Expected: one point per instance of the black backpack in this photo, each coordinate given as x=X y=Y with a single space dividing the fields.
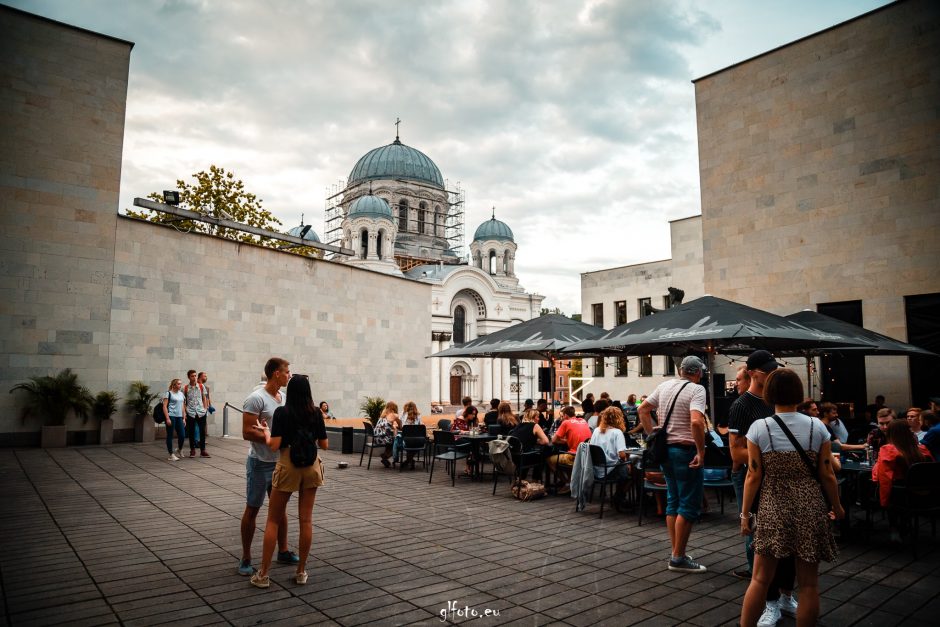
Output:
x=158 y=416
x=303 y=450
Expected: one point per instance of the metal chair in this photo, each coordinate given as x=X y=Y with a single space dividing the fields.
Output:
x=918 y=495
x=648 y=487
x=447 y=450
x=599 y=460
x=444 y=424
x=521 y=460
x=718 y=459
x=414 y=440
x=368 y=442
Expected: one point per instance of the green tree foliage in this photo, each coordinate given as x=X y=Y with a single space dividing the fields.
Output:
x=371 y=407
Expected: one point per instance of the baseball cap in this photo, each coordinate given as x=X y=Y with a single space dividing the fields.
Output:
x=692 y=365
x=762 y=360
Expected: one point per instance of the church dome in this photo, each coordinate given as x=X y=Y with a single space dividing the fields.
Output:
x=493 y=229
x=396 y=161
x=309 y=236
x=370 y=205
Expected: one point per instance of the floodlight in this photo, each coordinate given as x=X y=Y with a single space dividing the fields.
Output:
x=171 y=197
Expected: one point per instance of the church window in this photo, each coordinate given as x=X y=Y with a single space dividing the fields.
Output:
x=363 y=244
x=403 y=215
x=421 y=221
x=378 y=244
x=460 y=321
x=492 y=262
x=505 y=263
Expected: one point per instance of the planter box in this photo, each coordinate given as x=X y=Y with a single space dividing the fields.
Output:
x=106 y=432
x=144 y=428
x=54 y=437
x=159 y=433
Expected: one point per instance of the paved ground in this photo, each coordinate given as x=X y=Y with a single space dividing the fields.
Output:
x=119 y=535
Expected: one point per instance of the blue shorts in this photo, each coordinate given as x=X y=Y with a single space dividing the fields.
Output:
x=258 y=473
x=684 y=486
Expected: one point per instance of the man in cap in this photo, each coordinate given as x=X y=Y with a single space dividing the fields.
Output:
x=747 y=408
x=685 y=439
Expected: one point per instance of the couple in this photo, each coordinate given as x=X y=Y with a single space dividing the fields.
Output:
x=274 y=425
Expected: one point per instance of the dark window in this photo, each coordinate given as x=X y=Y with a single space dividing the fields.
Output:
x=646 y=366
x=643 y=304
x=403 y=215
x=597 y=315
x=492 y=262
x=364 y=244
x=378 y=244
x=421 y=216
x=598 y=366
x=923 y=329
x=623 y=364
x=843 y=376
x=460 y=322
x=669 y=367
x=620 y=309
x=513 y=367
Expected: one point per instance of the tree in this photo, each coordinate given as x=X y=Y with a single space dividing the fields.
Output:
x=219 y=194
x=545 y=311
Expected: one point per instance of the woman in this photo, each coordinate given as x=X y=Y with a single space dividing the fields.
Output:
x=325 y=410
x=469 y=418
x=894 y=458
x=532 y=439
x=609 y=436
x=587 y=407
x=506 y=419
x=173 y=404
x=298 y=418
x=793 y=517
x=386 y=431
x=409 y=416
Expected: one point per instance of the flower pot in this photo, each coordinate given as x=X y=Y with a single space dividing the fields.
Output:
x=143 y=429
x=54 y=436
x=106 y=432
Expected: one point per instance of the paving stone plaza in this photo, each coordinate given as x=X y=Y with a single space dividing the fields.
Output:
x=119 y=535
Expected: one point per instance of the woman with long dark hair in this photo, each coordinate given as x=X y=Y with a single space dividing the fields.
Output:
x=894 y=459
x=298 y=424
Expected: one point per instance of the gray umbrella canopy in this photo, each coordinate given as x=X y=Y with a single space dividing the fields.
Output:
x=538 y=338
x=874 y=343
x=709 y=324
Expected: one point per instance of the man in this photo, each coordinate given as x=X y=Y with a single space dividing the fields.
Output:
x=808 y=408
x=829 y=414
x=203 y=378
x=878 y=436
x=196 y=409
x=747 y=408
x=466 y=401
x=685 y=439
x=913 y=419
x=742 y=380
x=931 y=422
x=258 y=413
x=545 y=419
x=572 y=432
x=492 y=415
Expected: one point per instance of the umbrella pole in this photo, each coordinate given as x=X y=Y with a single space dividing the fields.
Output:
x=809 y=378
x=711 y=387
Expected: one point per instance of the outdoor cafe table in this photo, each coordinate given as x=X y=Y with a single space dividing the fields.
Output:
x=852 y=472
x=476 y=440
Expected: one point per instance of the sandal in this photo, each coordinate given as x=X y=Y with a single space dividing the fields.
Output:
x=300 y=578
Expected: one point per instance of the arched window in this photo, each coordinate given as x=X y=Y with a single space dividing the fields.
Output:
x=492 y=264
x=460 y=323
x=364 y=244
x=378 y=244
x=505 y=263
x=421 y=222
x=438 y=221
x=402 y=215
x=478 y=260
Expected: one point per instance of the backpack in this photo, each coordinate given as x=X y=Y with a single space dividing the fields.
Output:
x=158 y=416
x=303 y=450
x=501 y=456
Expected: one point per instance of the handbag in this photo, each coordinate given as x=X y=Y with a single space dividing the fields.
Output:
x=528 y=490
x=656 y=448
x=813 y=471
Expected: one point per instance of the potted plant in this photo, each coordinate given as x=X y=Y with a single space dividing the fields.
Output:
x=140 y=401
x=372 y=407
x=51 y=398
x=103 y=407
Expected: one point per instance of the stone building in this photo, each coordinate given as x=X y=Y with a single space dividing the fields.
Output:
x=820 y=182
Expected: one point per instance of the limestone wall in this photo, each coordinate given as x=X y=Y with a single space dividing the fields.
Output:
x=820 y=174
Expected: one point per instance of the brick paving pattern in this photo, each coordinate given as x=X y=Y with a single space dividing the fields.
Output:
x=119 y=535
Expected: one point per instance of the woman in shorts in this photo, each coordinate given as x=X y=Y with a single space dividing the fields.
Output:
x=298 y=417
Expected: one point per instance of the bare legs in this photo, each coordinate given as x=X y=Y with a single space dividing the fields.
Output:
x=249 y=522
x=679 y=531
x=305 y=513
x=807 y=580
x=756 y=596
x=277 y=520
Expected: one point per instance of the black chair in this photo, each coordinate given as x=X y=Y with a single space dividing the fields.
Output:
x=494 y=429
x=444 y=424
x=414 y=440
x=368 y=442
x=521 y=460
x=918 y=495
x=447 y=450
x=648 y=487
x=718 y=459
x=599 y=460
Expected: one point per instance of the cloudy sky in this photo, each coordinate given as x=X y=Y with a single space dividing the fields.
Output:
x=575 y=119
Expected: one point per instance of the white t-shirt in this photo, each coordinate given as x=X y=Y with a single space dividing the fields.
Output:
x=612 y=441
x=175 y=404
x=765 y=432
x=692 y=397
x=263 y=405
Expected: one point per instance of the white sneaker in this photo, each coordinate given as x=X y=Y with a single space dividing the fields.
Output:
x=173 y=458
x=178 y=453
x=787 y=604
x=771 y=615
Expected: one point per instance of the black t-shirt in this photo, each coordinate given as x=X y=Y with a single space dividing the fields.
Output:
x=744 y=411
x=284 y=425
x=489 y=418
x=524 y=432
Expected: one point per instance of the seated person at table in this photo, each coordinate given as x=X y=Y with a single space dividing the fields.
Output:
x=490 y=417
x=545 y=416
x=410 y=416
x=931 y=424
x=917 y=424
x=572 y=432
x=609 y=436
x=532 y=438
x=829 y=414
x=900 y=452
x=467 y=420
x=506 y=419
x=599 y=406
x=878 y=436
x=385 y=430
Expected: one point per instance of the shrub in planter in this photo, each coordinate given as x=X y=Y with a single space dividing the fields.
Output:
x=372 y=407
x=140 y=401
x=51 y=398
x=103 y=407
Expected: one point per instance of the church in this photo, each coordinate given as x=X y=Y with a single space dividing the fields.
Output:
x=399 y=217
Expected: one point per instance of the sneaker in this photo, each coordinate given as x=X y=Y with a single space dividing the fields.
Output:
x=204 y=454
x=744 y=573
x=172 y=458
x=287 y=557
x=386 y=463
x=192 y=452
x=771 y=615
x=178 y=452
x=787 y=605
x=300 y=578
x=260 y=582
x=685 y=565
x=245 y=568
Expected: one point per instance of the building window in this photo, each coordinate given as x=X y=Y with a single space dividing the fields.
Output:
x=623 y=364
x=643 y=304
x=513 y=367
x=378 y=244
x=669 y=368
x=460 y=323
x=561 y=381
x=646 y=366
x=492 y=262
x=402 y=215
x=597 y=315
x=598 y=366
x=438 y=221
x=364 y=244
x=620 y=311
x=421 y=222
x=505 y=262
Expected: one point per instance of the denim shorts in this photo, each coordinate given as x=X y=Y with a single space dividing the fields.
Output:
x=259 y=474
x=684 y=486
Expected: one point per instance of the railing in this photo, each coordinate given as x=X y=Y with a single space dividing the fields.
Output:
x=225 y=433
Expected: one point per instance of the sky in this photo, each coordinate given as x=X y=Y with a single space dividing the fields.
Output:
x=574 y=119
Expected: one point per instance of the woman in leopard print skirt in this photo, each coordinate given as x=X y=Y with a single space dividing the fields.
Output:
x=793 y=516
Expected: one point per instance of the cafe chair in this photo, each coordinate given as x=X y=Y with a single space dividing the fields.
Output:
x=444 y=424
x=368 y=442
x=414 y=440
x=717 y=472
x=599 y=460
x=520 y=460
x=649 y=487
x=447 y=450
x=918 y=495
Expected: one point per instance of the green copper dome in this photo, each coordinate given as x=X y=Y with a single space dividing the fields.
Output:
x=310 y=236
x=396 y=161
x=370 y=206
x=493 y=229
